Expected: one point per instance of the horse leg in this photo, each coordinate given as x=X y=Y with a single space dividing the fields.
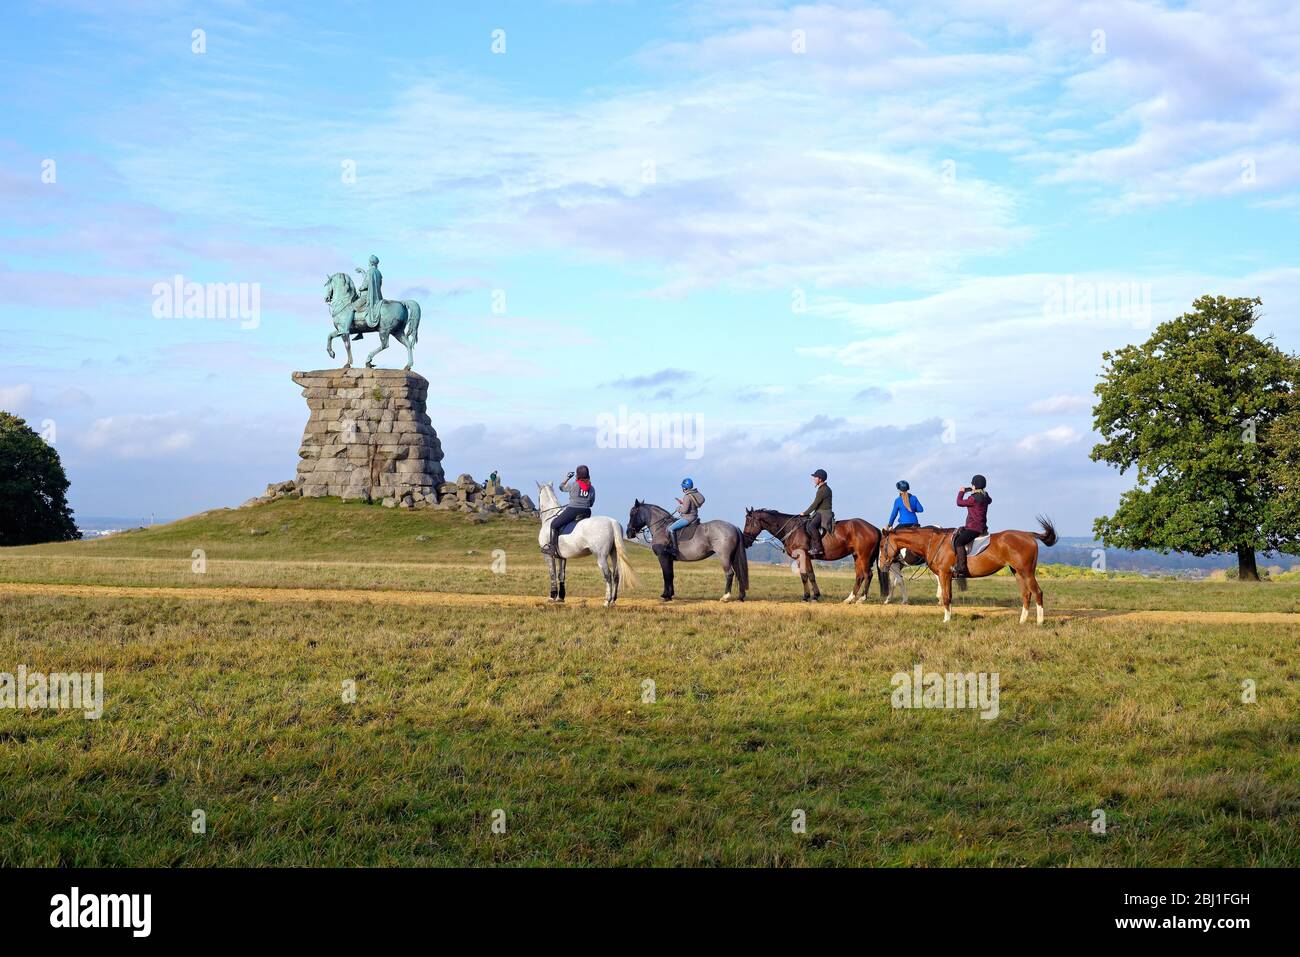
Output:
x=730 y=573
x=864 y=569
x=902 y=581
x=945 y=592
x=602 y=562
x=551 y=561
x=1038 y=595
x=329 y=343
x=563 y=567
x=665 y=569
x=347 y=343
x=1023 y=582
x=410 y=353
x=383 y=344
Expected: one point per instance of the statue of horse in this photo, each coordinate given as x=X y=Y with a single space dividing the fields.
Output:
x=694 y=543
x=598 y=535
x=397 y=318
x=1015 y=548
x=852 y=536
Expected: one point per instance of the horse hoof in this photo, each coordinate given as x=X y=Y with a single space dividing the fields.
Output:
x=665 y=599
x=407 y=367
x=726 y=597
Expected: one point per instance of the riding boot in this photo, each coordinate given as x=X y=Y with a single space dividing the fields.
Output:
x=815 y=549
x=959 y=567
x=672 y=543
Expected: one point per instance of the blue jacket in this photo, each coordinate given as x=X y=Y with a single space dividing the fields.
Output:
x=903 y=516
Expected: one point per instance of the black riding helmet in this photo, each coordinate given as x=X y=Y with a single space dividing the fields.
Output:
x=902 y=486
x=978 y=481
x=821 y=474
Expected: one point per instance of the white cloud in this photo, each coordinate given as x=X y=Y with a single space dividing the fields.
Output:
x=14 y=398
x=1056 y=436
x=156 y=435
x=1059 y=404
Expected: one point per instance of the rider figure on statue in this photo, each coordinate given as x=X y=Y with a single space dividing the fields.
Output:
x=372 y=286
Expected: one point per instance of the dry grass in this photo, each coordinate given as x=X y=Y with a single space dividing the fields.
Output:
x=490 y=699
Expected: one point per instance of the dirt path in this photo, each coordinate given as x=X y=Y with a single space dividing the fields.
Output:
x=451 y=599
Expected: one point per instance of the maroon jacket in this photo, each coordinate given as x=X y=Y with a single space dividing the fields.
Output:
x=977 y=510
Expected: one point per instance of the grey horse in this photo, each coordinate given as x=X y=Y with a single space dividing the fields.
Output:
x=598 y=535
x=397 y=318
x=695 y=543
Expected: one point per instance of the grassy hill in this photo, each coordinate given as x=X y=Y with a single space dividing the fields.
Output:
x=223 y=693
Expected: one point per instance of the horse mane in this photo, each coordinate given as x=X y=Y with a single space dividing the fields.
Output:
x=352 y=290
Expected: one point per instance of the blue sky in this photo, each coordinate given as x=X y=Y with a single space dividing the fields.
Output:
x=828 y=233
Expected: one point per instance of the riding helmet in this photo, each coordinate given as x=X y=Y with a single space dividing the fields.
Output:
x=978 y=481
x=687 y=484
x=902 y=486
x=583 y=474
x=821 y=474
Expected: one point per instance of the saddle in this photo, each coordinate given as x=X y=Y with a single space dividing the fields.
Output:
x=976 y=545
x=687 y=533
x=570 y=525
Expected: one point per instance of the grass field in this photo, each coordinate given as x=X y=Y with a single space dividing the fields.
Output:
x=223 y=692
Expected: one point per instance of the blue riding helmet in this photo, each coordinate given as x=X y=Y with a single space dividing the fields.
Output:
x=687 y=484
x=902 y=486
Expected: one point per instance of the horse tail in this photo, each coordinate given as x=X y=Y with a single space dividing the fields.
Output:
x=625 y=570
x=740 y=563
x=874 y=561
x=1048 y=535
x=412 y=320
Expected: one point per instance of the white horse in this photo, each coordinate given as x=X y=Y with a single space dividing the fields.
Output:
x=599 y=535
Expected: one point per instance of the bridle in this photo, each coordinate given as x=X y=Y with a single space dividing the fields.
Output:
x=645 y=534
x=784 y=530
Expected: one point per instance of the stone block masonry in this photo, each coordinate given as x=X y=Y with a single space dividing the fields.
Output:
x=369 y=437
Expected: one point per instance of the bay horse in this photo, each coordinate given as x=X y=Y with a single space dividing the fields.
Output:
x=694 y=543
x=1015 y=549
x=852 y=536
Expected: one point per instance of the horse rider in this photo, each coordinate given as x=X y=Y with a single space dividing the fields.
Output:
x=977 y=520
x=372 y=286
x=688 y=512
x=906 y=507
x=582 y=496
x=819 y=515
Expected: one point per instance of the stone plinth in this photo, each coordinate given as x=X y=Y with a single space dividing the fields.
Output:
x=369 y=437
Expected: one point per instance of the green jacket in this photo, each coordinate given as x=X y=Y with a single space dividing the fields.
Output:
x=821 y=501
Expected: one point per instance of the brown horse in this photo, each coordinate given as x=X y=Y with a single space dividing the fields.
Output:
x=850 y=536
x=1019 y=550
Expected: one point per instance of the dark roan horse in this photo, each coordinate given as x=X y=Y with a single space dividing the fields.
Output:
x=695 y=543
x=851 y=536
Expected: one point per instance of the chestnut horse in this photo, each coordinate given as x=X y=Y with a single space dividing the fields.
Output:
x=850 y=536
x=1019 y=550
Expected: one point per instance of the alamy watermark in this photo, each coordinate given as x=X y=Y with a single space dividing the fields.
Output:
x=1086 y=300
x=922 y=689
x=654 y=430
x=182 y=299
x=55 y=691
